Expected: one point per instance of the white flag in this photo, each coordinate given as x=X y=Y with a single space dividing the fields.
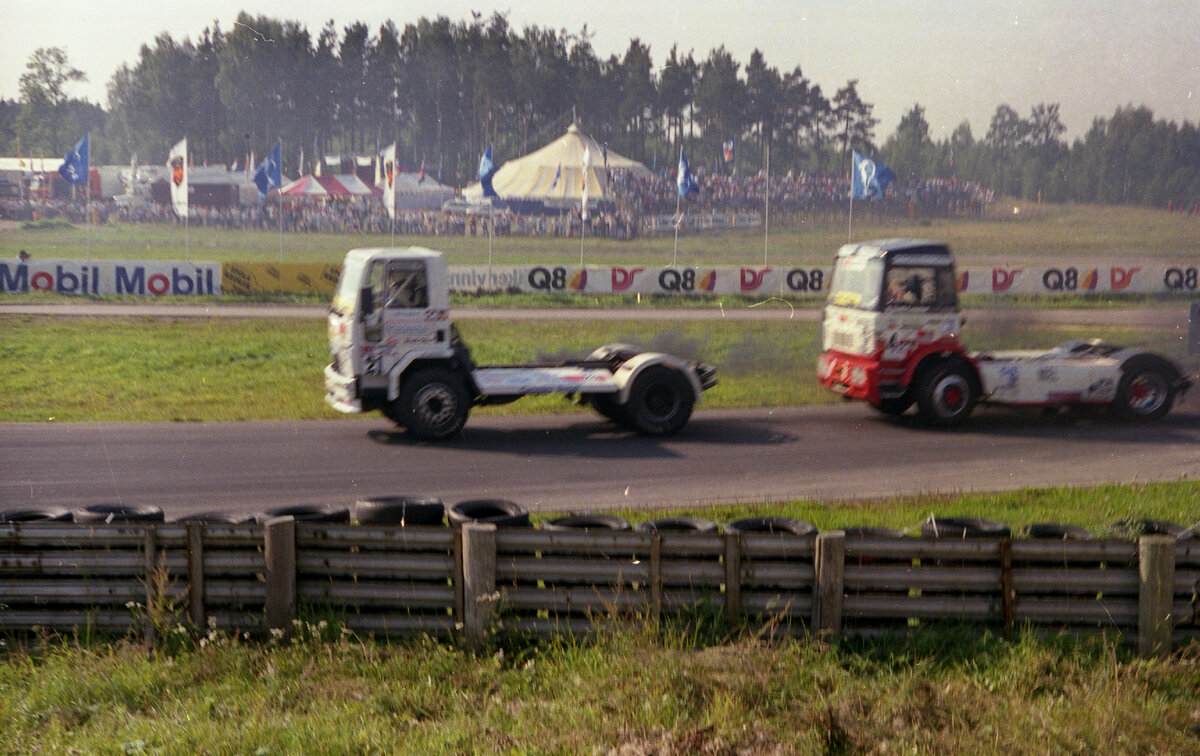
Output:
x=389 y=179
x=587 y=164
x=177 y=161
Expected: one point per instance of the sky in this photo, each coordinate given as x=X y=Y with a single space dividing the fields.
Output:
x=958 y=59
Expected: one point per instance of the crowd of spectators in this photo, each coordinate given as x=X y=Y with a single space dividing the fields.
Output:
x=645 y=204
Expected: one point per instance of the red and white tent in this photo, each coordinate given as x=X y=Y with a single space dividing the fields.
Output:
x=344 y=185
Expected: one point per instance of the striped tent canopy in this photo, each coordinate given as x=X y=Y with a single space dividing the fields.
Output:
x=342 y=185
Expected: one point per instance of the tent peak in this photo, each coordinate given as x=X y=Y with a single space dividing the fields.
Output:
x=573 y=128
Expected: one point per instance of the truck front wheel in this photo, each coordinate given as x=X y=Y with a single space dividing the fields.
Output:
x=660 y=402
x=946 y=394
x=433 y=404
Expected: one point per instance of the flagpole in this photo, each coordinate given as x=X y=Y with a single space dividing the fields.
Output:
x=677 y=224
x=767 y=210
x=87 y=196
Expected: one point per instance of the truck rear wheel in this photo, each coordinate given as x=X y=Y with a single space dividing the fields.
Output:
x=433 y=404
x=1145 y=391
x=946 y=394
x=660 y=402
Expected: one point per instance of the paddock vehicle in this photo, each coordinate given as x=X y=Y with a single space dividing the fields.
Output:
x=394 y=349
x=891 y=337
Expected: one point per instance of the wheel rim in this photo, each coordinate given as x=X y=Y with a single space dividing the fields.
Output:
x=435 y=405
x=662 y=401
x=952 y=393
x=1146 y=393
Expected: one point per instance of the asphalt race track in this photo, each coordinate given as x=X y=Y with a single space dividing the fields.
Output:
x=580 y=462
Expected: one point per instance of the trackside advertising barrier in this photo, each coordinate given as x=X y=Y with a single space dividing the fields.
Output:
x=153 y=278
x=159 y=278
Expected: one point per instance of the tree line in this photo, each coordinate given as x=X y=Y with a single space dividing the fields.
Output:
x=445 y=90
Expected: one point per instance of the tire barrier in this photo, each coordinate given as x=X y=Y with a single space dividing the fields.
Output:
x=680 y=525
x=119 y=513
x=228 y=518
x=588 y=522
x=963 y=527
x=396 y=579
x=499 y=512
x=771 y=525
x=399 y=510
x=36 y=514
x=307 y=513
x=1057 y=531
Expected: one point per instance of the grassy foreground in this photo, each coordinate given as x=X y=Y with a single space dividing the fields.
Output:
x=162 y=369
x=686 y=688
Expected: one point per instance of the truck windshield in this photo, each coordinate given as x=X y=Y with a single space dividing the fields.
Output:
x=856 y=283
x=349 y=281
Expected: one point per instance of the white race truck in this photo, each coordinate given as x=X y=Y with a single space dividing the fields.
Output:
x=394 y=349
x=891 y=337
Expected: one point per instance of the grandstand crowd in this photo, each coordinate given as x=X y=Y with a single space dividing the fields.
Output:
x=646 y=204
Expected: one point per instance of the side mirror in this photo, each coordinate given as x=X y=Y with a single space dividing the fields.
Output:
x=366 y=301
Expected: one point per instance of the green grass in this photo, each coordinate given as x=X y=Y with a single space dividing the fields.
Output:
x=183 y=369
x=1072 y=231
x=653 y=690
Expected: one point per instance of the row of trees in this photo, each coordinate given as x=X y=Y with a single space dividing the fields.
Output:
x=445 y=90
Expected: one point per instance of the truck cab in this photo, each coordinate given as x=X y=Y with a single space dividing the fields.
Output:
x=891 y=333
x=393 y=348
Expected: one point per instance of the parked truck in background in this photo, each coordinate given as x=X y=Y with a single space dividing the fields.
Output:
x=394 y=349
x=891 y=333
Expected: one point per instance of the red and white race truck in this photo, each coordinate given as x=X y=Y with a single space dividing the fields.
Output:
x=892 y=337
x=394 y=349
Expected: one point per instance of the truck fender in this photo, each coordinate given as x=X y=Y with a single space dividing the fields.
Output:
x=629 y=370
x=404 y=365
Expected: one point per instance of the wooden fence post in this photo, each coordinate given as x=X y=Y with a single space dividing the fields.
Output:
x=830 y=562
x=279 y=547
x=479 y=580
x=733 y=576
x=1156 y=588
x=195 y=572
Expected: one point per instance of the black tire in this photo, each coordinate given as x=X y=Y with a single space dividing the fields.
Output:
x=588 y=522
x=963 y=527
x=771 y=525
x=433 y=404
x=36 y=514
x=946 y=393
x=119 y=513
x=1146 y=391
x=307 y=513
x=227 y=518
x=894 y=406
x=1058 y=532
x=679 y=525
x=607 y=405
x=500 y=512
x=1135 y=528
x=660 y=402
x=399 y=510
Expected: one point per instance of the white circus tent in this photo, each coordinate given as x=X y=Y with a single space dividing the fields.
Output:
x=554 y=173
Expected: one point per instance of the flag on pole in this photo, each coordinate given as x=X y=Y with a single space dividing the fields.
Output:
x=75 y=163
x=177 y=161
x=587 y=164
x=487 y=169
x=727 y=148
x=869 y=178
x=685 y=179
x=389 y=180
x=268 y=175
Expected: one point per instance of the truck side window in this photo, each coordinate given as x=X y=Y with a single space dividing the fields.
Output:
x=407 y=286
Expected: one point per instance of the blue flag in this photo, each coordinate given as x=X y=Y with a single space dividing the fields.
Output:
x=687 y=182
x=75 y=163
x=268 y=175
x=487 y=169
x=869 y=178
